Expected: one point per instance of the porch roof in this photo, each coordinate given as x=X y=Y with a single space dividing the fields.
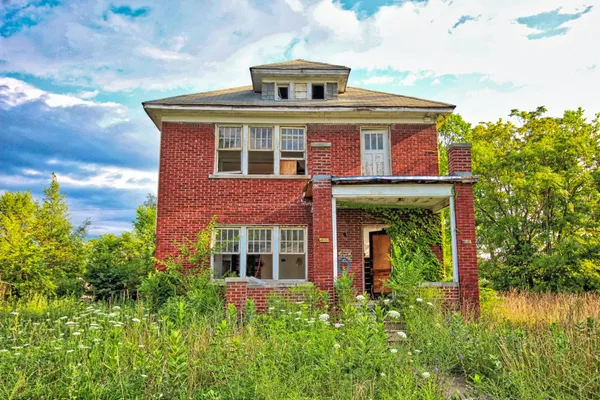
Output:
x=358 y=180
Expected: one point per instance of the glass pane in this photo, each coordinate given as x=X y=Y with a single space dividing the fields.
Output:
x=367 y=141
x=380 y=141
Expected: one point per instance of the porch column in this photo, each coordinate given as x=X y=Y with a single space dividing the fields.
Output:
x=459 y=163
x=322 y=223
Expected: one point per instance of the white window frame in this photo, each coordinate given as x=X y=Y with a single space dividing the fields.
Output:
x=217 y=237
x=387 y=142
x=275 y=248
x=277 y=138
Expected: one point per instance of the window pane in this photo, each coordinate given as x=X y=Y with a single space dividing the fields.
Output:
x=292 y=241
x=259 y=240
x=227 y=241
x=380 y=141
x=230 y=137
x=261 y=138
x=367 y=141
x=229 y=161
x=292 y=139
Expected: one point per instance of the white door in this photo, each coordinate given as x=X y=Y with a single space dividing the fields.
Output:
x=375 y=154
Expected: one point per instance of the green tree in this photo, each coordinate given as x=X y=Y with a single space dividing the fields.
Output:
x=116 y=265
x=537 y=201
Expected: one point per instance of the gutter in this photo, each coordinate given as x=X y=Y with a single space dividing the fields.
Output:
x=355 y=180
x=298 y=109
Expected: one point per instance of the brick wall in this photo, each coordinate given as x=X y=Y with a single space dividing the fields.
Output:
x=459 y=159
x=238 y=291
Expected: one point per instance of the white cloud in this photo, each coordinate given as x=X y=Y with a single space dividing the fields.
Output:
x=378 y=80
x=163 y=55
x=295 y=5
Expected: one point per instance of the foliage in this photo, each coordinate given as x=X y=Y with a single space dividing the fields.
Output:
x=116 y=265
x=411 y=230
x=62 y=348
x=537 y=201
x=407 y=274
x=40 y=251
x=183 y=273
x=344 y=292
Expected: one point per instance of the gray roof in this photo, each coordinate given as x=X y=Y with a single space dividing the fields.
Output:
x=299 y=65
x=245 y=96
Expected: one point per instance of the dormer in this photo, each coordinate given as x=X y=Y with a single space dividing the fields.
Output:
x=299 y=80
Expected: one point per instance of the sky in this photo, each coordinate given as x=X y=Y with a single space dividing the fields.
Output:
x=73 y=74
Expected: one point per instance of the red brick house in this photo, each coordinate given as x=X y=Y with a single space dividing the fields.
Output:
x=274 y=159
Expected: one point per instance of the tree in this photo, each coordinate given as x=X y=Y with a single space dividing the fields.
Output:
x=537 y=201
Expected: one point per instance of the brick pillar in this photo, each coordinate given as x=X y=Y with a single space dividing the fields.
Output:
x=322 y=227
x=459 y=163
x=236 y=292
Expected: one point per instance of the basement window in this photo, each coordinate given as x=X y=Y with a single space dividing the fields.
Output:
x=227 y=252
x=259 y=261
x=229 y=149
x=293 y=153
x=318 y=92
x=283 y=92
x=260 y=151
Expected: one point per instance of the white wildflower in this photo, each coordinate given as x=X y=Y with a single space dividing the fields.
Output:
x=70 y=323
x=96 y=340
x=3 y=351
x=336 y=346
x=76 y=333
x=393 y=314
x=271 y=308
x=387 y=301
x=36 y=324
x=426 y=375
x=418 y=351
x=409 y=354
x=83 y=347
x=382 y=374
x=338 y=325
x=112 y=315
x=360 y=297
x=393 y=351
x=116 y=308
x=430 y=304
x=324 y=317
x=402 y=334
x=419 y=300
x=58 y=348
x=137 y=320
x=70 y=351
x=144 y=376
x=17 y=354
x=14 y=313
x=298 y=312
x=63 y=317
x=297 y=319
x=141 y=346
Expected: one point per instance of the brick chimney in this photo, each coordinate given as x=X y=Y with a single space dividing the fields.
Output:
x=459 y=159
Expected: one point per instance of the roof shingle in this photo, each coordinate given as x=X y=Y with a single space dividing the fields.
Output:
x=300 y=64
x=245 y=96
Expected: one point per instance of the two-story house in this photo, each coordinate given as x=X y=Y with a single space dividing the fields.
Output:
x=273 y=160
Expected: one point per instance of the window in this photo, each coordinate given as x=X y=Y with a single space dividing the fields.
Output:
x=260 y=151
x=229 y=149
x=259 y=262
x=292 y=146
x=282 y=92
x=300 y=91
x=227 y=249
x=261 y=252
x=292 y=250
x=318 y=92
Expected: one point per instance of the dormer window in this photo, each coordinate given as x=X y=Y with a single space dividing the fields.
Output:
x=300 y=91
x=283 y=92
x=318 y=92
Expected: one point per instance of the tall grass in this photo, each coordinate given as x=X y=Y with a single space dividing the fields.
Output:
x=71 y=349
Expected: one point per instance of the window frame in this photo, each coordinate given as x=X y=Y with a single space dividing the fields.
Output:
x=275 y=249
x=277 y=136
x=228 y=228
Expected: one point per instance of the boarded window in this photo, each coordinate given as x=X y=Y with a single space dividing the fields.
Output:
x=300 y=91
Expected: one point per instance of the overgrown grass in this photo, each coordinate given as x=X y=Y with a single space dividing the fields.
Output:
x=71 y=349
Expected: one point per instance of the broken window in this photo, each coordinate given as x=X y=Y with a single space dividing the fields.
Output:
x=300 y=91
x=318 y=92
x=229 y=149
x=282 y=92
x=292 y=253
x=227 y=252
x=292 y=146
x=259 y=262
x=260 y=152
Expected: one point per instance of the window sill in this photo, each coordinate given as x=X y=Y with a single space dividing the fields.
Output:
x=239 y=176
x=270 y=283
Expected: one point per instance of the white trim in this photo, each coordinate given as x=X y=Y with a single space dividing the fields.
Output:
x=298 y=109
x=225 y=175
x=243 y=252
x=277 y=154
x=334 y=236
x=275 y=249
x=391 y=190
x=245 y=141
x=454 y=240
x=293 y=119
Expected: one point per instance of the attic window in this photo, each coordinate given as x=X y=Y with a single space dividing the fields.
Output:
x=318 y=92
x=282 y=92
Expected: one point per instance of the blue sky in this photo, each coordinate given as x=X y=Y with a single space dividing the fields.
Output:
x=73 y=73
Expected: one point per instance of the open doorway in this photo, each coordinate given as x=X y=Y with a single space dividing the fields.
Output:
x=378 y=267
